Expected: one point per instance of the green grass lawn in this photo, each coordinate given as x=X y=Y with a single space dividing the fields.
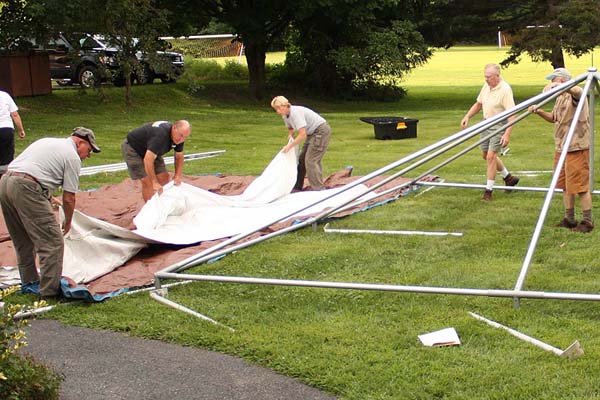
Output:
x=358 y=344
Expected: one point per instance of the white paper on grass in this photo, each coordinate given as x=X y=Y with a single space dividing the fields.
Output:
x=186 y=214
x=444 y=337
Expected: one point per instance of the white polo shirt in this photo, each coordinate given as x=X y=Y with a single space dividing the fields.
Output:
x=495 y=100
x=7 y=106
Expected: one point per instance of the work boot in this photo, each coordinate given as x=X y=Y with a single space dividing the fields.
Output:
x=487 y=195
x=510 y=180
x=565 y=223
x=584 y=227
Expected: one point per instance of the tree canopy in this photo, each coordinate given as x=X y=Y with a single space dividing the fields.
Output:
x=544 y=29
x=334 y=46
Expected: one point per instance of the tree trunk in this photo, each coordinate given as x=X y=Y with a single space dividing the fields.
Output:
x=558 y=59
x=128 y=97
x=255 y=57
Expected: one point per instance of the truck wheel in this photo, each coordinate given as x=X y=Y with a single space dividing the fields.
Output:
x=145 y=77
x=88 y=76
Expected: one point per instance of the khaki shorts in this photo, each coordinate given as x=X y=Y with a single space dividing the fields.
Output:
x=493 y=144
x=575 y=175
x=135 y=163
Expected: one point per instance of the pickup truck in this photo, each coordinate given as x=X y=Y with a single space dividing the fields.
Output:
x=87 y=60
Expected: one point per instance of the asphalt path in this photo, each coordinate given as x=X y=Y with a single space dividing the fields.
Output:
x=106 y=365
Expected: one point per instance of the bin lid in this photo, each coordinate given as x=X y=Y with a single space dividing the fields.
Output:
x=386 y=120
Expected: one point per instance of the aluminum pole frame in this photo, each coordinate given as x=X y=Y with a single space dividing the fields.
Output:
x=386 y=287
x=544 y=211
x=525 y=294
x=210 y=253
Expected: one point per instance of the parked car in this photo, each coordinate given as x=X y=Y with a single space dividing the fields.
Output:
x=88 y=60
x=167 y=66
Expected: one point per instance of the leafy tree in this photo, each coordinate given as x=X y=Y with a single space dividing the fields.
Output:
x=257 y=23
x=20 y=21
x=543 y=29
x=352 y=45
x=132 y=26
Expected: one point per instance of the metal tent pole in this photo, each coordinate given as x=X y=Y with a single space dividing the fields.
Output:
x=95 y=169
x=386 y=287
x=592 y=107
x=543 y=212
x=480 y=186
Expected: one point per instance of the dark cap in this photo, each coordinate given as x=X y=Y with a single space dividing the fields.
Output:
x=87 y=135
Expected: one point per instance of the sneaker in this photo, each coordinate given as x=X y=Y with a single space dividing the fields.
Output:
x=510 y=180
x=487 y=195
x=565 y=223
x=584 y=227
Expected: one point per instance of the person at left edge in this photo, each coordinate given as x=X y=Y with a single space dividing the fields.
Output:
x=25 y=197
x=9 y=118
x=143 y=150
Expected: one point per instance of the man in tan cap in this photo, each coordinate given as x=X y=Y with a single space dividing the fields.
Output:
x=575 y=175
x=25 y=196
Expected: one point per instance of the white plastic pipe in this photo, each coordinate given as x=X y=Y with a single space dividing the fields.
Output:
x=179 y=307
x=574 y=350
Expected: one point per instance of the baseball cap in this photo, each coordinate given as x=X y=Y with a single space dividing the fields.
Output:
x=559 y=73
x=88 y=135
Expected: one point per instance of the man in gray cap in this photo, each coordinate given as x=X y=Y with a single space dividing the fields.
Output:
x=575 y=175
x=25 y=196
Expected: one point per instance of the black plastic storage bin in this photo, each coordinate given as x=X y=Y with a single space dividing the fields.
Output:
x=393 y=127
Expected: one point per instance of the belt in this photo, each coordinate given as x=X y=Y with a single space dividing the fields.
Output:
x=23 y=175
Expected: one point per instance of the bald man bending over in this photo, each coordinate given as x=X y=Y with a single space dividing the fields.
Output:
x=143 y=150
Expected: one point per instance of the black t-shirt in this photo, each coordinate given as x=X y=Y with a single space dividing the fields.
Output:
x=155 y=137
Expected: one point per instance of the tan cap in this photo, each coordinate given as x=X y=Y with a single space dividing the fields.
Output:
x=88 y=135
x=559 y=73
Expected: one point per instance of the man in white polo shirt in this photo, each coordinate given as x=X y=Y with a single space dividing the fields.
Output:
x=9 y=117
x=495 y=97
x=25 y=196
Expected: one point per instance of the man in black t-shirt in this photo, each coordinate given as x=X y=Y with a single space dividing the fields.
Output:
x=143 y=150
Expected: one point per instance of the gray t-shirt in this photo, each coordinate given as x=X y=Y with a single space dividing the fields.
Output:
x=302 y=117
x=53 y=162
